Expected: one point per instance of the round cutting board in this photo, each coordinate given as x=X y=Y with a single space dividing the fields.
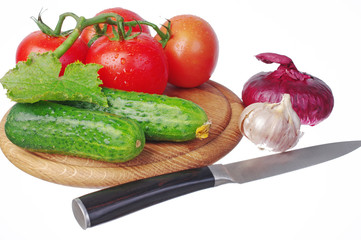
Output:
x=223 y=108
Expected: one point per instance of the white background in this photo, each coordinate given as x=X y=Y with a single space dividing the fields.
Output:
x=320 y=202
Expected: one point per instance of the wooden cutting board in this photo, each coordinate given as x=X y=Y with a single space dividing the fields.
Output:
x=223 y=108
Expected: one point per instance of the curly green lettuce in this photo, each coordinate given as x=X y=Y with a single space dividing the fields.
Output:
x=38 y=79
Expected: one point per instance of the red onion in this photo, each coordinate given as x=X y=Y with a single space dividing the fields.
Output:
x=311 y=98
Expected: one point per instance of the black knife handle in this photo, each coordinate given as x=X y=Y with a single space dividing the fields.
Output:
x=114 y=202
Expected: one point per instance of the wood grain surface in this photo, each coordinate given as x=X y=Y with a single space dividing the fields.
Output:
x=223 y=108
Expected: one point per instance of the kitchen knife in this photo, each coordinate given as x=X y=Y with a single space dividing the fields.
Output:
x=111 y=203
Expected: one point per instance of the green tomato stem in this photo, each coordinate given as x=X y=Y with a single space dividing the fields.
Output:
x=164 y=36
x=43 y=27
x=60 y=51
x=62 y=17
x=81 y=24
x=102 y=18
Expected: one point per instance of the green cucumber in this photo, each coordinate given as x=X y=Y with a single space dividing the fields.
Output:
x=162 y=118
x=54 y=128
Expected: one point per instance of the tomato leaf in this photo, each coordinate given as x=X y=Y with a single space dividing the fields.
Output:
x=38 y=79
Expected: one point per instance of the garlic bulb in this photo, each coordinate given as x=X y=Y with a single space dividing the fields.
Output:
x=272 y=126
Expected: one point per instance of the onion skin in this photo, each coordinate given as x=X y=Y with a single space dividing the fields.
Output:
x=311 y=98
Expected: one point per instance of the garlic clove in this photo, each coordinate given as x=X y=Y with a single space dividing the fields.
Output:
x=271 y=126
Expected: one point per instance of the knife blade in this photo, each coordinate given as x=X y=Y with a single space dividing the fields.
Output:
x=114 y=202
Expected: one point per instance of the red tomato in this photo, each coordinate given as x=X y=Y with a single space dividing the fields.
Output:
x=39 y=42
x=138 y=64
x=192 y=51
x=128 y=15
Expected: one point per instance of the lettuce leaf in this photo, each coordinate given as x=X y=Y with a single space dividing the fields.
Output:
x=38 y=79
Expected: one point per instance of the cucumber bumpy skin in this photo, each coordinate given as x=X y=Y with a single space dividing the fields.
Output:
x=54 y=128
x=162 y=118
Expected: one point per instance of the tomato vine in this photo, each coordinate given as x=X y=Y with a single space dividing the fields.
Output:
x=105 y=18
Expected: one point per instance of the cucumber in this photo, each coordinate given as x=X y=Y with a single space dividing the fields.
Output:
x=54 y=128
x=162 y=118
